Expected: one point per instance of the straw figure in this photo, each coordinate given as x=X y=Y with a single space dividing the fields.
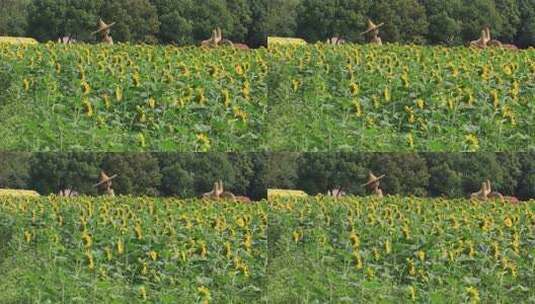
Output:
x=215 y=193
x=336 y=41
x=373 y=184
x=483 y=193
x=104 y=32
x=486 y=41
x=105 y=183
x=373 y=30
x=217 y=40
x=498 y=44
x=218 y=193
x=486 y=193
x=483 y=40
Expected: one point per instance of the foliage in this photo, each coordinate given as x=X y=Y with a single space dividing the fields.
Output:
x=53 y=172
x=302 y=250
x=405 y=20
x=452 y=22
x=131 y=250
x=137 y=20
x=52 y=19
x=14 y=168
x=133 y=98
x=400 y=98
x=139 y=173
x=13 y=17
x=191 y=174
x=399 y=250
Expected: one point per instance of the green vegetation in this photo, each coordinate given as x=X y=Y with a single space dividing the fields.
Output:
x=451 y=22
x=401 y=98
x=131 y=250
x=400 y=250
x=131 y=98
x=294 y=98
x=187 y=175
x=299 y=250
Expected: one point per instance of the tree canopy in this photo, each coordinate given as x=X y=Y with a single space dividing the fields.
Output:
x=450 y=22
x=251 y=174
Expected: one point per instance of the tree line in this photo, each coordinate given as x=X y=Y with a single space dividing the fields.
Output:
x=191 y=174
x=182 y=22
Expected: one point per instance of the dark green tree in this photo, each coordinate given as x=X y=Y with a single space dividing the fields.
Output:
x=277 y=170
x=80 y=18
x=52 y=19
x=474 y=15
x=52 y=172
x=244 y=167
x=191 y=174
x=321 y=172
x=509 y=12
x=406 y=174
x=46 y=19
x=13 y=17
x=241 y=19
x=175 y=25
x=14 y=169
x=458 y=175
x=137 y=20
x=138 y=173
x=444 y=30
x=405 y=20
x=526 y=180
x=320 y=19
x=272 y=18
x=526 y=32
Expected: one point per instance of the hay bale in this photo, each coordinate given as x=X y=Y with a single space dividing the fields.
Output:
x=273 y=41
x=18 y=193
x=17 y=40
x=282 y=193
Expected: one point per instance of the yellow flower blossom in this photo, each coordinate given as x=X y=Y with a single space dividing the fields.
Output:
x=473 y=295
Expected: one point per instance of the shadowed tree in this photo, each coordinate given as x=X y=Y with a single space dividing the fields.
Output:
x=321 y=172
x=51 y=19
x=137 y=20
x=526 y=32
x=405 y=20
x=52 y=172
x=320 y=20
x=406 y=174
x=14 y=169
x=138 y=173
x=13 y=17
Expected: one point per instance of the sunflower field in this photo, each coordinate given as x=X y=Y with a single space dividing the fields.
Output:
x=131 y=250
x=285 y=98
x=287 y=250
x=401 y=98
x=401 y=250
x=131 y=98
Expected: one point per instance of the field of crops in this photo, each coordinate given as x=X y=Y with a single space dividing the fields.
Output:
x=287 y=98
x=129 y=250
x=131 y=98
x=294 y=250
x=401 y=250
x=401 y=98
